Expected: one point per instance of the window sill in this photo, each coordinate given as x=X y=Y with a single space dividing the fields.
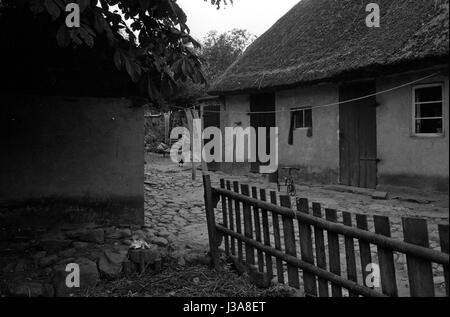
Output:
x=428 y=136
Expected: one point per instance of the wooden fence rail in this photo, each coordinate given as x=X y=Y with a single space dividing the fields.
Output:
x=309 y=244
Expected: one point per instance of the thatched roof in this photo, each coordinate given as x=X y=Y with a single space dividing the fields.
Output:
x=324 y=39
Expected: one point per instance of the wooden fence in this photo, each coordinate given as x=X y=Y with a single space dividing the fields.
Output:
x=252 y=224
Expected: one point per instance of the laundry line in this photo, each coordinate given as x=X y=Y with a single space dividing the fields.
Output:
x=324 y=105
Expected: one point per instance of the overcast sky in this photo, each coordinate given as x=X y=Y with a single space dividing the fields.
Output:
x=257 y=16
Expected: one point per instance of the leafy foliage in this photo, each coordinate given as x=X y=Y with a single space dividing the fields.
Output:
x=221 y=50
x=217 y=53
x=149 y=38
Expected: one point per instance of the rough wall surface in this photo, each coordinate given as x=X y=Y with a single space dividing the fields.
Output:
x=408 y=160
x=233 y=115
x=317 y=156
x=74 y=149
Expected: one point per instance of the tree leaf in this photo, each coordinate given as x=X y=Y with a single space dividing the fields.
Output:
x=118 y=59
x=132 y=68
x=52 y=9
x=63 y=36
x=74 y=36
x=83 y=4
x=86 y=37
x=37 y=6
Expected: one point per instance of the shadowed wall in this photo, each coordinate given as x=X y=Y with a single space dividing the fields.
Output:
x=74 y=149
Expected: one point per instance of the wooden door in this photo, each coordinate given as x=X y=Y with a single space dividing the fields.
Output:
x=211 y=118
x=358 y=135
x=262 y=103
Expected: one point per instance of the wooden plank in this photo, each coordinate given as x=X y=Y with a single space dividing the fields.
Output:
x=231 y=220
x=364 y=248
x=225 y=217
x=190 y=121
x=289 y=243
x=306 y=249
x=350 y=253
x=420 y=271
x=197 y=135
x=349 y=140
x=266 y=234
x=443 y=237
x=237 y=209
x=373 y=238
x=367 y=135
x=321 y=258
x=211 y=221
x=277 y=237
x=248 y=226
x=344 y=145
x=357 y=135
x=210 y=115
x=257 y=219
x=333 y=278
x=354 y=136
x=333 y=252
x=386 y=258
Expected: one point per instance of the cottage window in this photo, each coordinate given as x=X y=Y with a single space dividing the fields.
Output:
x=302 y=118
x=428 y=110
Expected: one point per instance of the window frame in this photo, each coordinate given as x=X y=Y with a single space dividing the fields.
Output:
x=303 y=109
x=414 y=133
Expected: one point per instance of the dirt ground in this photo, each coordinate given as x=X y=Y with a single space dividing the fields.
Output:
x=189 y=282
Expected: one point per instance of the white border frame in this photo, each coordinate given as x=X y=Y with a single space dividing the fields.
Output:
x=413 y=113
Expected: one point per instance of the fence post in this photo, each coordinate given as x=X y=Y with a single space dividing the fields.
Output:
x=333 y=251
x=289 y=243
x=319 y=240
x=443 y=237
x=225 y=217
x=211 y=222
x=420 y=272
x=231 y=222
x=257 y=228
x=386 y=258
x=364 y=247
x=277 y=237
x=306 y=249
x=238 y=222
x=350 y=252
x=248 y=226
x=266 y=233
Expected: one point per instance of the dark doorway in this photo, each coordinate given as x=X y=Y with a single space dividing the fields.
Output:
x=259 y=104
x=211 y=118
x=358 y=135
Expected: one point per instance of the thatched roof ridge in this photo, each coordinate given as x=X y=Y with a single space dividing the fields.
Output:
x=322 y=39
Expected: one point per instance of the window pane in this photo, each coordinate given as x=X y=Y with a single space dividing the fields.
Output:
x=426 y=126
x=429 y=94
x=298 y=119
x=429 y=110
x=308 y=118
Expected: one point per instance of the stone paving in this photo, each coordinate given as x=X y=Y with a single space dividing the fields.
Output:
x=174 y=206
x=175 y=210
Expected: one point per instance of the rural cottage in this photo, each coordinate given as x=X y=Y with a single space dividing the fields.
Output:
x=354 y=105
